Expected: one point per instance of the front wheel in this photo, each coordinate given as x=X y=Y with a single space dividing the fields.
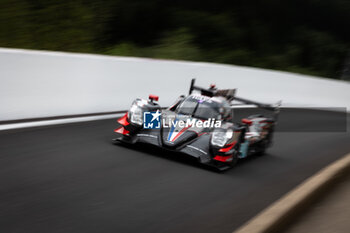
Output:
x=234 y=159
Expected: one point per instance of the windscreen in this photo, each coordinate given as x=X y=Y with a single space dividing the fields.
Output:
x=200 y=107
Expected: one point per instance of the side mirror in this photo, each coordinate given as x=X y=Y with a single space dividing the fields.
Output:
x=153 y=97
x=246 y=121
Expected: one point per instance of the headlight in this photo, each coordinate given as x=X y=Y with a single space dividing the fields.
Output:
x=219 y=138
x=135 y=113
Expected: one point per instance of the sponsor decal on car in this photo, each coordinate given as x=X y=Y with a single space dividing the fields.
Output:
x=153 y=120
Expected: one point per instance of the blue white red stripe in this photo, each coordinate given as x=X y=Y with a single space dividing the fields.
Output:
x=174 y=134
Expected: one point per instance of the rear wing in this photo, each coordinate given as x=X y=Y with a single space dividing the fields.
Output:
x=208 y=92
x=213 y=91
x=230 y=95
x=271 y=107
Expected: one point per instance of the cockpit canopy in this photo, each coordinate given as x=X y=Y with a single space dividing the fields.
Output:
x=203 y=107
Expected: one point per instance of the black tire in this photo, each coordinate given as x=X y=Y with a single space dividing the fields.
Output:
x=263 y=147
x=237 y=148
x=234 y=159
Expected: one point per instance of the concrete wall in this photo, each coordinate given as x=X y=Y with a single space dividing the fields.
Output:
x=40 y=84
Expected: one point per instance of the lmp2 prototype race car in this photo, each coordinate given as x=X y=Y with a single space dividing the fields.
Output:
x=200 y=125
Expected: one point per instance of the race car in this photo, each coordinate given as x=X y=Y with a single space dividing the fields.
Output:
x=200 y=125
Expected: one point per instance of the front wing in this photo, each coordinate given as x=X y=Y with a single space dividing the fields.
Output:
x=198 y=148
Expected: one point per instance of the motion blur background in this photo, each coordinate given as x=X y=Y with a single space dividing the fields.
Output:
x=70 y=178
x=303 y=36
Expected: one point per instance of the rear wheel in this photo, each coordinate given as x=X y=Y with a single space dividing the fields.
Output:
x=265 y=143
x=263 y=147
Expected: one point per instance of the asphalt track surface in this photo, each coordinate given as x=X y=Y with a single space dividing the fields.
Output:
x=70 y=178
